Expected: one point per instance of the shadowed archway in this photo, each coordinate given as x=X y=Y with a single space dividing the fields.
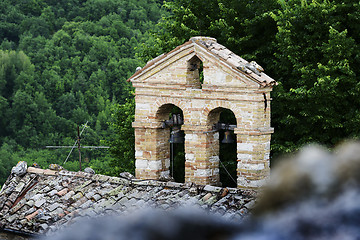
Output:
x=225 y=152
x=172 y=118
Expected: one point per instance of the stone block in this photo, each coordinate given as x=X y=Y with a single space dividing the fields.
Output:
x=245 y=146
x=203 y=173
x=191 y=137
x=138 y=153
x=190 y=157
x=155 y=165
x=141 y=164
x=167 y=163
x=214 y=159
x=244 y=157
x=257 y=166
x=246 y=184
x=143 y=106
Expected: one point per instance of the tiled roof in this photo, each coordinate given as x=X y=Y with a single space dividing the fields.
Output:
x=250 y=69
x=42 y=201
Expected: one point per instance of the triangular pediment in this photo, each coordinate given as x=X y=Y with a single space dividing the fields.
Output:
x=221 y=67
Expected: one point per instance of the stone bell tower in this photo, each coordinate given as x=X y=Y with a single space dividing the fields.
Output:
x=202 y=78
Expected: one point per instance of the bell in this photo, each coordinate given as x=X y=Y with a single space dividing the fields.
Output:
x=176 y=136
x=227 y=138
x=177 y=119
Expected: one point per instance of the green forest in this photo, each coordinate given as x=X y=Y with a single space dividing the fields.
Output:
x=65 y=63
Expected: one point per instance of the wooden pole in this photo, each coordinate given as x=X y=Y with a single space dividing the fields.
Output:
x=79 y=147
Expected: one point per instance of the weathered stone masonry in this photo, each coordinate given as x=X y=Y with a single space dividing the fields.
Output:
x=229 y=82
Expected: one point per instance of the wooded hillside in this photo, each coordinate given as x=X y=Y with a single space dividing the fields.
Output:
x=65 y=62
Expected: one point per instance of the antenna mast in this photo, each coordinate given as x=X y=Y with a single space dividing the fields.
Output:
x=79 y=145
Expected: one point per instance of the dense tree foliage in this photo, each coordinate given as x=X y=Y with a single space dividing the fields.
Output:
x=246 y=28
x=316 y=58
x=310 y=47
x=63 y=63
x=123 y=143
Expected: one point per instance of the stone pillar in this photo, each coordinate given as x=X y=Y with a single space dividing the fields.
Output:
x=201 y=156
x=253 y=154
x=152 y=152
x=213 y=148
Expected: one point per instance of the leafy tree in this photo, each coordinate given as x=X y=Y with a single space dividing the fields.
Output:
x=6 y=161
x=15 y=68
x=317 y=54
x=10 y=24
x=122 y=147
x=12 y=65
x=245 y=27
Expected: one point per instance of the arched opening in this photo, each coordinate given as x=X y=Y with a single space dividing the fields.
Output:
x=228 y=150
x=173 y=141
x=224 y=121
x=195 y=72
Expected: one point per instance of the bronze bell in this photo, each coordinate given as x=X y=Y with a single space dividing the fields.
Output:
x=227 y=138
x=176 y=136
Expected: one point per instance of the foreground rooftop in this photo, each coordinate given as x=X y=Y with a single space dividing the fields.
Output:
x=42 y=201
